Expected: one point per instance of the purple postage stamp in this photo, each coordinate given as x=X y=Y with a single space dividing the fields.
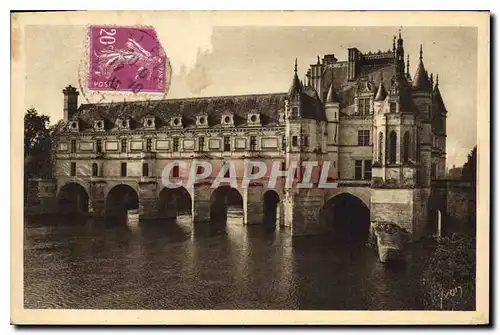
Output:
x=127 y=59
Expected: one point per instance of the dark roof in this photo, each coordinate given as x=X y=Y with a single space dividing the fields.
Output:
x=381 y=92
x=438 y=99
x=269 y=105
x=332 y=95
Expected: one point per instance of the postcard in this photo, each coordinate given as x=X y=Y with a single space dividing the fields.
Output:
x=250 y=168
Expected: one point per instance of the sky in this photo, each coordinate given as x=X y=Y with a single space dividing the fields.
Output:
x=212 y=60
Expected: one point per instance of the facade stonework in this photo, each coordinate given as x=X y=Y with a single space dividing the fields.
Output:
x=382 y=130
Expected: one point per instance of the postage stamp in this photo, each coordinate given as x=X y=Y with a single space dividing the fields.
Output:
x=126 y=59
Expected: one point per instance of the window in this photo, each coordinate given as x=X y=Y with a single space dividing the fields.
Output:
x=306 y=140
x=145 y=169
x=201 y=144
x=418 y=147
x=176 y=144
x=334 y=164
x=73 y=169
x=227 y=143
x=73 y=145
x=124 y=145
x=294 y=141
x=363 y=137
x=95 y=170
x=149 y=144
x=406 y=147
x=358 y=169
x=283 y=143
x=175 y=171
x=124 y=169
x=392 y=147
x=367 y=175
x=433 y=171
x=253 y=143
x=283 y=166
x=200 y=169
x=392 y=107
x=98 y=145
x=380 y=147
x=364 y=106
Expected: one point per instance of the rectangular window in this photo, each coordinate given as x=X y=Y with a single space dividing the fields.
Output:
x=73 y=169
x=363 y=137
x=294 y=141
x=145 y=169
x=283 y=166
x=227 y=143
x=124 y=145
x=306 y=140
x=149 y=144
x=98 y=145
x=95 y=170
x=368 y=170
x=175 y=171
x=283 y=143
x=201 y=144
x=73 y=145
x=392 y=107
x=123 y=169
x=253 y=143
x=175 y=145
x=364 y=106
x=358 y=169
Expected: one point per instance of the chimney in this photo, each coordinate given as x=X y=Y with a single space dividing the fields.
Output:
x=70 y=102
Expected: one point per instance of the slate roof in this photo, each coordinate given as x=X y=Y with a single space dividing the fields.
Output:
x=268 y=105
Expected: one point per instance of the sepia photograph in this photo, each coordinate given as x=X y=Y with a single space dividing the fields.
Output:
x=285 y=162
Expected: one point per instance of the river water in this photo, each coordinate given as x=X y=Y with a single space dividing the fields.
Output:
x=92 y=264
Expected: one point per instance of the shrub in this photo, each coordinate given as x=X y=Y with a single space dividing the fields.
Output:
x=449 y=278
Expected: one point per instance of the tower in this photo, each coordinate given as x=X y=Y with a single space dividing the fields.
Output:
x=70 y=102
x=332 y=110
x=439 y=129
x=422 y=98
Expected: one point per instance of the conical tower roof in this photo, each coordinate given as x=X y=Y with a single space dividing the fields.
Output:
x=421 y=79
x=381 y=92
x=296 y=87
x=438 y=99
x=332 y=96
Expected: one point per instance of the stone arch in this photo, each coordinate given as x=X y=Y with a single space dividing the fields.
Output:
x=73 y=198
x=173 y=202
x=271 y=208
x=347 y=217
x=436 y=214
x=223 y=200
x=121 y=199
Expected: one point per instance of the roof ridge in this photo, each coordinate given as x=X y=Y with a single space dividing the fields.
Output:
x=187 y=99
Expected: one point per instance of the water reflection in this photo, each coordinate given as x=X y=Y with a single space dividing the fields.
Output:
x=170 y=264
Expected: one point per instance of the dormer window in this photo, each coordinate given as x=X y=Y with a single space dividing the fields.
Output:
x=123 y=124
x=99 y=125
x=202 y=121
x=149 y=122
x=254 y=118
x=392 y=107
x=176 y=122
x=227 y=120
x=73 y=126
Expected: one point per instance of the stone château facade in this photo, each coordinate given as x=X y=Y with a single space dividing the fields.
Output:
x=383 y=131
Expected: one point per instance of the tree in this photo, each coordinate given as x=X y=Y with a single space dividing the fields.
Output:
x=37 y=145
x=470 y=167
